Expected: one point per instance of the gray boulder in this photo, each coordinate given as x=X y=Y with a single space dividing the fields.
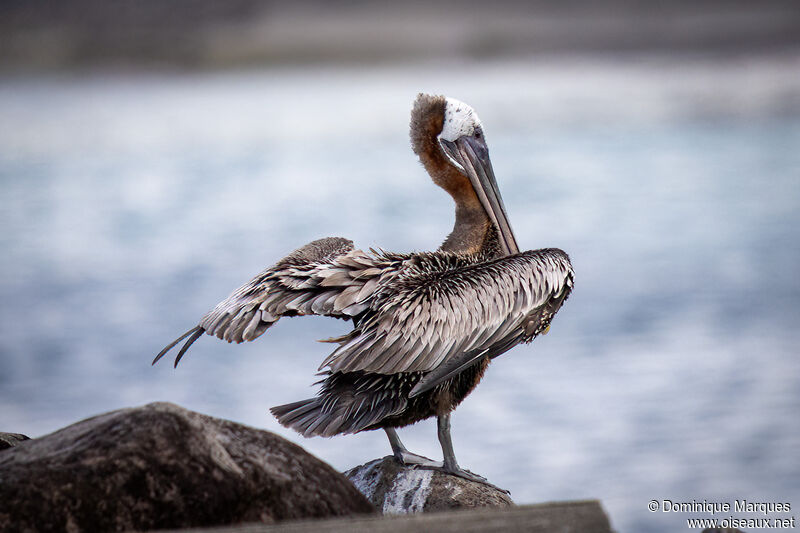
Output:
x=397 y=489
x=7 y=440
x=162 y=466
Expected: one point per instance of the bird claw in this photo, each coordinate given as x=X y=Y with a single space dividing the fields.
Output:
x=463 y=474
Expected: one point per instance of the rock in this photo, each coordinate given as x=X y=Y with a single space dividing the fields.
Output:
x=162 y=466
x=396 y=489
x=7 y=440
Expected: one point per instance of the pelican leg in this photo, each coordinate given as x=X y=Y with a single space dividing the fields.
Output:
x=404 y=456
x=450 y=464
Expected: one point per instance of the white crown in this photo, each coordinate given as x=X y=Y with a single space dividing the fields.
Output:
x=459 y=120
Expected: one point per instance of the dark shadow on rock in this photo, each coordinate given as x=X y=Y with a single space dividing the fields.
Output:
x=162 y=466
x=395 y=489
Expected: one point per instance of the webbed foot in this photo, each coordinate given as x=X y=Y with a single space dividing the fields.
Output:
x=412 y=459
x=464 y=474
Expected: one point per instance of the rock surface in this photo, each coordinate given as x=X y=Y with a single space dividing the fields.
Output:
x=397 y=489
x=162 y=466
x=7 y=440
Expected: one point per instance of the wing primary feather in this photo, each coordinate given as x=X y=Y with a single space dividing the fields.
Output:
x=189 y=342
x=171 y=345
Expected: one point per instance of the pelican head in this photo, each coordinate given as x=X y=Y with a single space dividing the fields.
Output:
x=448 y=137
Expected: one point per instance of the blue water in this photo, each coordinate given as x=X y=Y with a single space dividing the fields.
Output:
x=131 y=204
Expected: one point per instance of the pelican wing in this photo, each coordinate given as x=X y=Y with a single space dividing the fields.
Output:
x=324 y=277
x=438 y=319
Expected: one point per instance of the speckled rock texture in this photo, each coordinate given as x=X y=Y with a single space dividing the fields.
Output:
x=162 y=466
x=397 y=489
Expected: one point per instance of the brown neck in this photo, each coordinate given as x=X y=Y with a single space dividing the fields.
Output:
x=473 y=231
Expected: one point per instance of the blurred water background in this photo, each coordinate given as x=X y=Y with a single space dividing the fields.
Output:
x=136 y=196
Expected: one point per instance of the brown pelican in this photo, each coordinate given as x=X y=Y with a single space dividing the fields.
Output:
x=425 y=325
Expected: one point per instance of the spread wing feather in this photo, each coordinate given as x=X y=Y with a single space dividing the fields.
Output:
x=325 y=277
x=439 y=319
